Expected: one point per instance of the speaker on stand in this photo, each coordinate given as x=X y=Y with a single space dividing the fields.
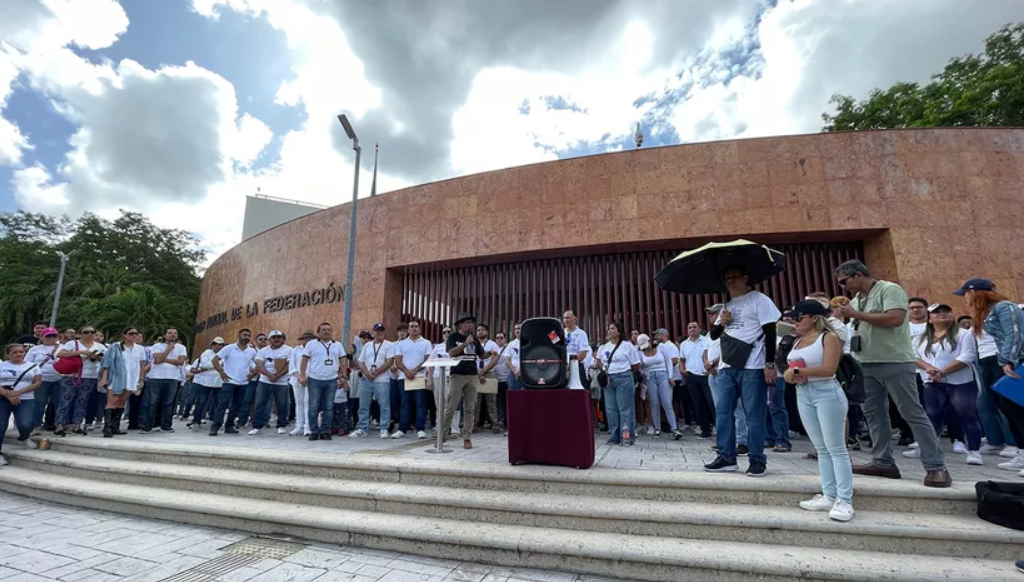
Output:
x=543 y=353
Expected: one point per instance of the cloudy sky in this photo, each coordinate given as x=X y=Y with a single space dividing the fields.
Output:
x=180 y=108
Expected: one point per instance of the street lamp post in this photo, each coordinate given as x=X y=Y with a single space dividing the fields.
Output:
x=347 y=311
x=60 y=286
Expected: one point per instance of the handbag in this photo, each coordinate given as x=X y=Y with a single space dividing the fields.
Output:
x=69 y=365
x=603 y=376
x=20 y=377
x=735 y=352
x=1000 y=503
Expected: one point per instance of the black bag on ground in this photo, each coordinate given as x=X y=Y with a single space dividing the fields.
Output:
x=851 y=378
x=1001 y=503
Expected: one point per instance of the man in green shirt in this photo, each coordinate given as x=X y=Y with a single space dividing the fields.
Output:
x=882 y=343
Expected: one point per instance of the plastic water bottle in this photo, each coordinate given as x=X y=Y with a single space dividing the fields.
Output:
x=626 y=432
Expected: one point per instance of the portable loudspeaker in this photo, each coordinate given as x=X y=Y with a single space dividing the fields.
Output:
x=542 y=353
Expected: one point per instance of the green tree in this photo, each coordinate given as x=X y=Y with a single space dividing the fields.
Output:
x=125 y=272
x=975 y=90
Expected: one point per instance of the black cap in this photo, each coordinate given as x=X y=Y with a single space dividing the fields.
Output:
x=979 y=284
x=465 y=317
x=810 y=307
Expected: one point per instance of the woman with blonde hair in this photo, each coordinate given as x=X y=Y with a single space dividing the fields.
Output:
x=812 y=362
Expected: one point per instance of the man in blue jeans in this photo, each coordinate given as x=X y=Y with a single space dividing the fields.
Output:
x=232 y=364
x=746 y=324
x=410 y=355
x=322 y=373
x=162 y=382
x=249 y=395
x=375 y=361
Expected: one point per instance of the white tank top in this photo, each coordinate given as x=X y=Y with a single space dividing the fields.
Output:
x=812 y=356
x=655 y=363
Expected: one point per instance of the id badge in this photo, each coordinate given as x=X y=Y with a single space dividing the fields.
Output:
x=329 y=362
x=373 y=368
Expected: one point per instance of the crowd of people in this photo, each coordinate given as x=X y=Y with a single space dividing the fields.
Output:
x=746 y=381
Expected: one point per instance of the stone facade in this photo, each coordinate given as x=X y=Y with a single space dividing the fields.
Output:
x=933 y=207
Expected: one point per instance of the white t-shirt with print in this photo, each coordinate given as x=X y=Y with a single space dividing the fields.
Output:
x=512 y=351
x=576 y=342
x=268 y=355
x=90 y=368
x=622 y=359
x=166 y=371
x=44 y=357
x=9 y=373
x=490 y=349
x=374 y=356
x=750 y=312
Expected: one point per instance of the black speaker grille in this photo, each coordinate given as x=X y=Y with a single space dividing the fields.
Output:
x=541 y=365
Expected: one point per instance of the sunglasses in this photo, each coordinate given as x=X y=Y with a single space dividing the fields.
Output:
x=52 y=335
x=843 y=282
x=446 y=331
x=88 y=331
x=132 y=333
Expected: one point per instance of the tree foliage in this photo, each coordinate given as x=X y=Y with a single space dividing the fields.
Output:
x=974 y=90
x=124 y=272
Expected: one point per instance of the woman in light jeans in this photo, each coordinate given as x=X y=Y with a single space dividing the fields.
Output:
x=619 y=359
x=823 y=406
x=655 y=371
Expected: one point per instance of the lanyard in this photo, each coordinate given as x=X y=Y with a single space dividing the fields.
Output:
x=377 y=348
x=327 y=347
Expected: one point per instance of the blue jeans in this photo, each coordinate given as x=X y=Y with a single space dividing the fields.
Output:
x=994 y=424
x=321 y=397
x=367 y=392
x=24 y=415
x=410 y=399
x=394 y=400
x=749 y=387
x=823 y=408
x=514 y=382
x=777 y=428
x=247 y=402
x=205 y=395
x=740 y=419
x=660 y=395
x=228 y=401
x=619 y=400
x=264 y=392
x=47 y=393
x=159 y=393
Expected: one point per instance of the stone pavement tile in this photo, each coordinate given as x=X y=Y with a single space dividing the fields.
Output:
x=7 y=572
x=494 y=578
x=266 y=564
x=208 y=549
x=532 y=575
x=336 y=576
x=421 y=568
x=167 y=569
x=289 y=573
x=372 y=571
x=450 y=564
x=34 y=561
x=90 y=575
x=23 y=577
x=370 y=559
x=242 y=574
x=68 y=550
x=157 y=552
x=100 y=558
x=402 y=576
x=317 y=558
x=126 y=567
x=133 y=544
x=465 y=575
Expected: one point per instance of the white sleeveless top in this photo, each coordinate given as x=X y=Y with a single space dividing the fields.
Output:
x=812 y=356
x=655 y=363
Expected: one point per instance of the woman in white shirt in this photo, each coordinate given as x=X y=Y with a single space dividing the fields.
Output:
x=75 y=389
x=43 y=355
x=655 y=370
x=18 y=379
x=121 y=375
x=945 y=352
x=619 y=358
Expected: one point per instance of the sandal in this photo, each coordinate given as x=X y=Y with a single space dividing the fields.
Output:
x=781 y=449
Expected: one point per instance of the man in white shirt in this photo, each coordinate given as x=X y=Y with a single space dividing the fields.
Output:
x=512 y=359
x=486 y=364
x=272 y=365
x=434 y=378
x=163 y=380
x=206 y=382
x=502 y=374
x=321 y=371
x=576 y=340
x=232 y=364
x=746 y=329
x=411 y=353
x=246 y=407
x=692 y=368
x=302 y=425
x=375 y=360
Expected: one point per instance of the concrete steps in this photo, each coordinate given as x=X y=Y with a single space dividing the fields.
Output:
x=637 y=526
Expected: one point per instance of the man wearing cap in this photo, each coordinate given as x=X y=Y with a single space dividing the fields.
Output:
x=302 y=410
x=272 y=366
x=695 y=376
x=375 y=361
x=882 y=343
x=321 y=372
x=464 y=346
x=206 y=383
x=162 y=381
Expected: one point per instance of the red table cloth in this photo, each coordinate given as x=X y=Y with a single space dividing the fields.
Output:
x=550 y=427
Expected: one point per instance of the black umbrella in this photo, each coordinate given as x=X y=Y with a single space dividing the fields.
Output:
x=699 y=271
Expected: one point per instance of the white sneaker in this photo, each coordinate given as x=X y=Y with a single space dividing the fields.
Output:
x=254 y=432
x=842 y=511
x=384 y=434
x=959 y=448
x=912 y=454
x=307 y=432
x=421 y=435
x=1009 y=452
x=358 y=433
x=973 y=458
x=988 y=449
x=3 y=461
x=296 y=431
x=1015 y=464
x=395 y=435
x=29 y=444
x=818 y=503
x=282 y=430
x=913 y=446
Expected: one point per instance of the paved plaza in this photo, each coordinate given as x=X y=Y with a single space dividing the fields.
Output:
x=47 y=542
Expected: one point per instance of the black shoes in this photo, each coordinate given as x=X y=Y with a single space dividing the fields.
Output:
x=756 y=470
x=742 y=450
x=325 y=437
x=314 y=437
x=721 y=465
x=230 y=430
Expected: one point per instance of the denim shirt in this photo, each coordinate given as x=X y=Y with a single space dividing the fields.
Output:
x=114 y=363
x=1006 y=323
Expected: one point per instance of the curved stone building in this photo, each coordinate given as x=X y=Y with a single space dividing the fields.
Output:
x=924 y=207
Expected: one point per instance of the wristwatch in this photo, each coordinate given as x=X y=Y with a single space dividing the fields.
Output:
x=769 y=366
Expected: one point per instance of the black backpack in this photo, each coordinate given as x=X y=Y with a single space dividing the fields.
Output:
x=851 y=378
x=1000 y=503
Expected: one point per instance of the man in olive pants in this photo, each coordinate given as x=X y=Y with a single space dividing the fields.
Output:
x=463 y=345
